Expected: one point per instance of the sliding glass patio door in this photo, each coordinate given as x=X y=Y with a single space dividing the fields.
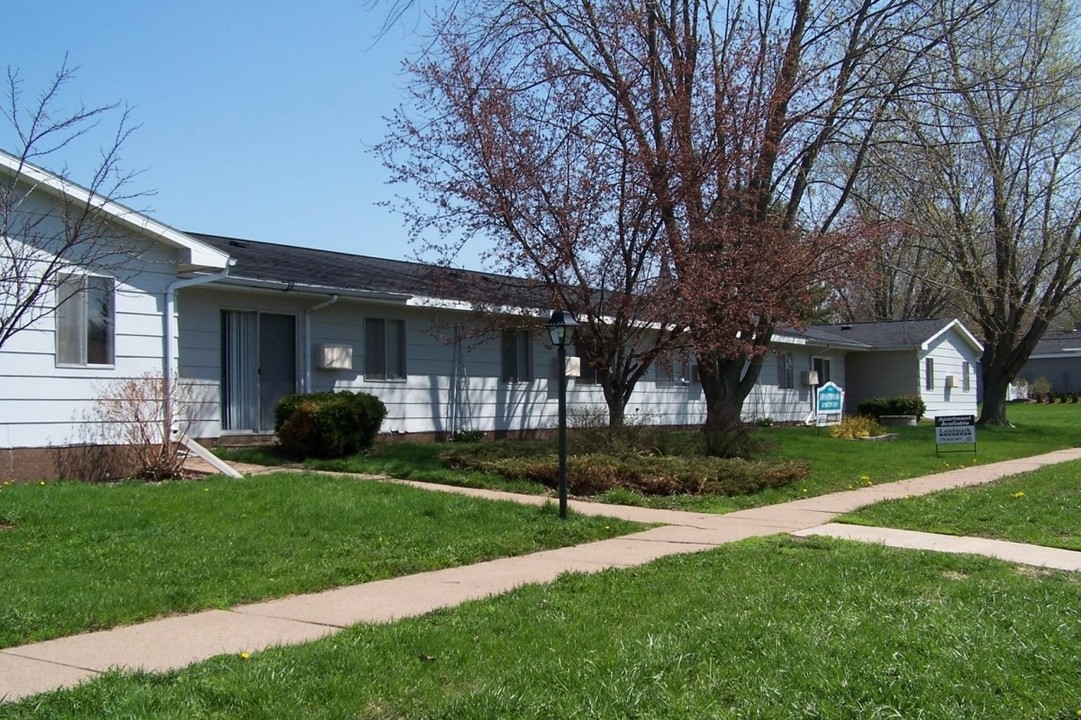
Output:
x=259 y=367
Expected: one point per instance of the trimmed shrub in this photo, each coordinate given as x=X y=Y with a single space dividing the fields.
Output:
x=876 y=407
x=855 y=427
x=328 y=424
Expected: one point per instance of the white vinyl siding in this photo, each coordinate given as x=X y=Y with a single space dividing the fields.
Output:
x=50 y=386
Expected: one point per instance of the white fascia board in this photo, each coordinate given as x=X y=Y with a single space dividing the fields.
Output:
x=196 y=255
x=320 y=290
x=961 y=329
x=1070 y=353
x=441 y=304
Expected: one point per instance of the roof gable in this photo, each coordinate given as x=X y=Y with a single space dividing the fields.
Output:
x=901 y=334
x=195 y=255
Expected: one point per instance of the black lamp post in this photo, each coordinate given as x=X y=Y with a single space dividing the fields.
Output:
x=561 y=330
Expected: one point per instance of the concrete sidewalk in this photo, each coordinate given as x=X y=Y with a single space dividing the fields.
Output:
x=175 y=642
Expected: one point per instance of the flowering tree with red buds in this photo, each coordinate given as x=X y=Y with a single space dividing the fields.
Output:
x=679 y=154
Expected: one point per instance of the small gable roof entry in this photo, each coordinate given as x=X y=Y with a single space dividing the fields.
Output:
x=901 y=334
x=195 y=255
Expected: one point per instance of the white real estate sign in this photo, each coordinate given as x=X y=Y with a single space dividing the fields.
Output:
x=955 y=429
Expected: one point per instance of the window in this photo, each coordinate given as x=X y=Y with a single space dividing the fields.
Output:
x=517 y=358
x=824 y=368
x=672 y=369
x=84 y=320
x=929 y=372
x=588 y=374
x=785 y=371
x=384 y=349
x=966 y=379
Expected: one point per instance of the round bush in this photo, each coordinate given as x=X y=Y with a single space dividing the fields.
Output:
x=328 y=424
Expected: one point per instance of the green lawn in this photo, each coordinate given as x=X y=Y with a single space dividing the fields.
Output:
x=835 y=464
x=76 y=556
x=1041 y=507
x=769 y=628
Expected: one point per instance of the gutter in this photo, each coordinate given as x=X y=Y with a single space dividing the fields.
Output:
x=307 y=385
x=322 y=290
x=168 y=366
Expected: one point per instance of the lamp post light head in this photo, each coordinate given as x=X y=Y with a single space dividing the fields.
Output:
x=561 y=327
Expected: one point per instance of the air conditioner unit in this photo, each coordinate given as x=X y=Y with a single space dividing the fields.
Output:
x=951 y=381
x=809 y=377
x=334 y=357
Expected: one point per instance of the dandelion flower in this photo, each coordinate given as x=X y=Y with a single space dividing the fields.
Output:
x=245 y=655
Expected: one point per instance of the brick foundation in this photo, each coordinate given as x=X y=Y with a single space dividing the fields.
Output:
x=91 y=463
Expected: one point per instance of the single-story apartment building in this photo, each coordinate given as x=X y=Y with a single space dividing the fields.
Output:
x=242 y=323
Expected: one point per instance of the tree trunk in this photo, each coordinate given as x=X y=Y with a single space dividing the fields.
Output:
x=616 y=400
x=995 y=386
x=726 y=382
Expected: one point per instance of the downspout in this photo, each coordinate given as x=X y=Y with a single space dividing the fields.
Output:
x=308 y=339
x=168 y=368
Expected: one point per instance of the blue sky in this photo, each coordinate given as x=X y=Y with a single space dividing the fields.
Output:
x=256 y=117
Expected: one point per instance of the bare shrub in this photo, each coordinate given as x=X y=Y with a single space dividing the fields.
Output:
x=131 y=413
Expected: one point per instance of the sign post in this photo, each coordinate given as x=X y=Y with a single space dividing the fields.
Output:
x=955 y=430
x=829 y=404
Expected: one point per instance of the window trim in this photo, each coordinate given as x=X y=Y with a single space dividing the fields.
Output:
x=929 y=372
x=511 y=340
x=786 y=371
x=966 y=377
x=825 y=375
x=382 y=374
x=79 y=298
x=587 y=373
x=665 y=366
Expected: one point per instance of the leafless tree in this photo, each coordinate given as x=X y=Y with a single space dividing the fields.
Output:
x=539 y=162
x=45 y=233
x=991 y=167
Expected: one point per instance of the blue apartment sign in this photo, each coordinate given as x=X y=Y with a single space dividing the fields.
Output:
x=829 y=404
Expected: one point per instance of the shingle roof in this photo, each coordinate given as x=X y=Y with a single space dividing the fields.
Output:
x=895 y=334
x=330 y=271
x=327 y=271
x=1055 y=343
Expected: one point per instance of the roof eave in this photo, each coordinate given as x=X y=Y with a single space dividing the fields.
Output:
x=307 y=289
x=194 y=255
